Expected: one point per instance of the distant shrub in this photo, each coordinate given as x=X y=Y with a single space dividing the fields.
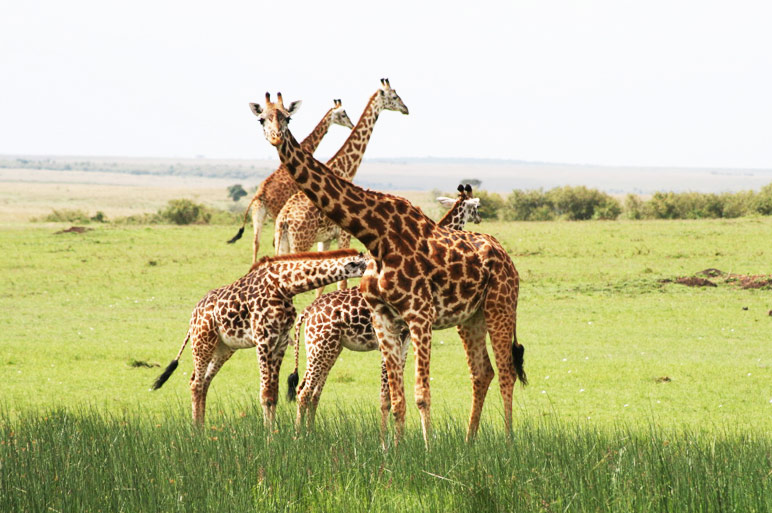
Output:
x=67 y=216
x=571 y=203
x=737 y=204
x=763 y=201
x=634 y=207
x=580 y=203
x=530 y=205
x=184 y=211
x=491 y=204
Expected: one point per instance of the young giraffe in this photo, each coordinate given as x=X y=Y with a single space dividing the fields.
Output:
x=300 y=223
x=275 y=190
x=421 y=276
x=342 y=319
x=256 y=311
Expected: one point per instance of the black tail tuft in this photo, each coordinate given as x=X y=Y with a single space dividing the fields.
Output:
x=160 y=380
x=237 y=236
x=517 y=358
x=292 y=385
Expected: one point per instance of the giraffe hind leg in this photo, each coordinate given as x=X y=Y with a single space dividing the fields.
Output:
x=472 y=334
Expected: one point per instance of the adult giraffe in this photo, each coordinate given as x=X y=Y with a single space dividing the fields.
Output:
x=341 y=319
x=278 y=187
x=300 y=223
x=421 y=275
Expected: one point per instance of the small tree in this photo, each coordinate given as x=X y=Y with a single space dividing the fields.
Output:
x=236 y=192
x=474 y=182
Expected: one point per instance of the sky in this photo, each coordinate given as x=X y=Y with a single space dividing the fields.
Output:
x=610 y=82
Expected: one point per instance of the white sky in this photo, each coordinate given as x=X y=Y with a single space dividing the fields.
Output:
x=681 y=83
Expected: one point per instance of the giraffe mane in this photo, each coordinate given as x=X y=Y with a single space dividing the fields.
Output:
x=306 y=255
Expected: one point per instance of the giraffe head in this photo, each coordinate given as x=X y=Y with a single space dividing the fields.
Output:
x=388 y=99
x=467 y=205
x=275 y=117
x=339 y=116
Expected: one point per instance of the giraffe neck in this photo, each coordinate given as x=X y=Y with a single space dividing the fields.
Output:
x=454 y=218
x=298 y=276
x=346 y=161
x=338 y=199
x=312 y=141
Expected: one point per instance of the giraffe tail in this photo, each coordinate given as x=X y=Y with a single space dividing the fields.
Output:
x=244 y=222
x=292 y=380
x=160 y=380
x=517 y=357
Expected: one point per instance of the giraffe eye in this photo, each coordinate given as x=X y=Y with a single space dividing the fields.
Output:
x=262 y=121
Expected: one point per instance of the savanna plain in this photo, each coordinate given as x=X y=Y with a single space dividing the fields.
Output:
x=645 y=394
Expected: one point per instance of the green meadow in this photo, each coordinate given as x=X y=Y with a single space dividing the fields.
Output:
x=644 y=395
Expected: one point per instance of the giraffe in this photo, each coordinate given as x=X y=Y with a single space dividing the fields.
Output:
x=341 y=319
x=300 y=223
x=256 y=311
x=278 y=187
x=421 y=276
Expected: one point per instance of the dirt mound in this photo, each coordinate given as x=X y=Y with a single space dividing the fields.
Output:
x=74 y=229
x=691 y=281
x=711 y=272
x=744 y=281
x=757 y=281
x=695 y=281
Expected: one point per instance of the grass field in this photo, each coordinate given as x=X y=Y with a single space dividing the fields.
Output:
x=673 y=377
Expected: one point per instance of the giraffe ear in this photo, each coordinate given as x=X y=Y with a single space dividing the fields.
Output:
x=294 y=107
x=474 y=201
x=446 y=202
x=256 y=109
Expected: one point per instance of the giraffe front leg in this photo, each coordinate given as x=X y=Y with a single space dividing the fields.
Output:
x=421 y=335
x=385 y=395
x=387 y=331
x=264 y=361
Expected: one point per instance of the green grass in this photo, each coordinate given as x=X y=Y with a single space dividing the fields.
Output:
x=88 y=461
x=599 y=327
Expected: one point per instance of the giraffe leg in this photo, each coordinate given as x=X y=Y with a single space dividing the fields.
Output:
x=322 y=246
x=387 y=331
x=385 y=396
x=472 y=334
x=500 y=318
x=325 y=369
x=221 y=355
x=421 y=336
x=259 y=213
x=270 y=354
x=344 y=241
x=318 y=365
x=203 y=345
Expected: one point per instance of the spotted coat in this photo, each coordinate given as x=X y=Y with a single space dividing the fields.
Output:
x=256 y=311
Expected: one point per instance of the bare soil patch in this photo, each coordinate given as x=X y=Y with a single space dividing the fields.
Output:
x=74 y=229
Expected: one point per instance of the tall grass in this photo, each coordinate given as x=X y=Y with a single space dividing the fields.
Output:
x=66 y=460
